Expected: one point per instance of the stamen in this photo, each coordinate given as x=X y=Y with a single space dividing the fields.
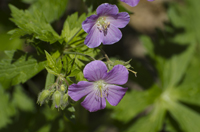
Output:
x=103 y=25
x=99 y=29
x=101 y=88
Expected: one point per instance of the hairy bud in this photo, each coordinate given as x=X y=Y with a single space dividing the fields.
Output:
x=43 y=96
x=57 y=98
x=63 y=88
x=65 y=101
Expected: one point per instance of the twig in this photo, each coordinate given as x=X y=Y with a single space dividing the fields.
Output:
x=104 y=53
x=66 y=82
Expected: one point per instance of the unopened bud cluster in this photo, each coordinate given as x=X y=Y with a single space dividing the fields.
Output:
x=57 y=94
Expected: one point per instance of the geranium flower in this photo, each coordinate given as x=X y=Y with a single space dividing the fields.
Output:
x=132 y=2
x=103 y=27
x=101 y=86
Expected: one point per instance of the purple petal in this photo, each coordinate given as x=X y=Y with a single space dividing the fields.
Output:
x=95 y=70
x=112 y=35
x=115 y=94
x=93 y=102
x=94 y=38
x=89 y=23
x=131 y=2
x=120 y=20
x=150 y=0
x=77 y=91
x=118 y=75
x=107 y=9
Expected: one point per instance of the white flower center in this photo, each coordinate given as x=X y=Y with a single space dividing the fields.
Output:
x=103 y=24
x=101 y=89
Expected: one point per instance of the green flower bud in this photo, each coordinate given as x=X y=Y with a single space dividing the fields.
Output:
x=57 y=98
x=65 y=101
x=62 y=88
x=65 y=98
x=43 y=96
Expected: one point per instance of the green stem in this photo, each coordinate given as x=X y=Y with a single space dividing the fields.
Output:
x=104 y=53
x=74 y=35
x=76 y=53
x=76 y=46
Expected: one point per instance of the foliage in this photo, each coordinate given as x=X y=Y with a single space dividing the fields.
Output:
x=58 y=56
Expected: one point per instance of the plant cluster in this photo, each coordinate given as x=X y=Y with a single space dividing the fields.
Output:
x=76 y=67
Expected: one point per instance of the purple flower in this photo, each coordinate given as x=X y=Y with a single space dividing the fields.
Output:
x=103 y=27
x=132 y=2
x=101 y=86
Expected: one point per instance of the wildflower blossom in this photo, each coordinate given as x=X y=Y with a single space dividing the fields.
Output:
x=103 y=27
x=132 y=2
x=101 y=86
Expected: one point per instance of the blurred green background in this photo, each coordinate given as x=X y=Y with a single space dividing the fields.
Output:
x=162 y=39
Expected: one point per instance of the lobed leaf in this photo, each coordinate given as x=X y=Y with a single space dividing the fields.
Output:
x=52 y=9
x=18 y=68
x=153 y=122
x=32 y=24
x=170 y=70
x=187 y=119
x=7 y=110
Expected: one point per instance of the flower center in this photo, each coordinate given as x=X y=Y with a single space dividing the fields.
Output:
x=102 y=24
x=100 y=87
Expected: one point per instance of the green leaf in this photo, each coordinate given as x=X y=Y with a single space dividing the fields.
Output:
x=7 y=110
x=32 y=24
x=74 y=73
x=8 y=44
x=171 y=124
x=52 y=9
x=69 y=113
x=50 y=60
x=22 y=101
x=189 y=90
x=52 y=71
x=187 y=119
x=182 y=16
x=28 y=1
x=50 y=80
x=153 y=122
x=54 y=66
x=133 y=103
x=171 y=69
x=72 y=27
x=16 y=69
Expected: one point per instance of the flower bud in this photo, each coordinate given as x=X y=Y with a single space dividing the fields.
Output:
x=43 y=96
x=57 y=98
x=65 y=98
x=62 y=88
x=65 y=101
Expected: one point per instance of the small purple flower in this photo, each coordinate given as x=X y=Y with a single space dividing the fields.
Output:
x=132 y=2
x=101 y=86
x=103 y=27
